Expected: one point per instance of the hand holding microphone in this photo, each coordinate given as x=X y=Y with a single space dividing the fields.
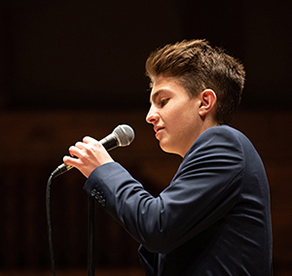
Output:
x=87 y=155
x=90 y=153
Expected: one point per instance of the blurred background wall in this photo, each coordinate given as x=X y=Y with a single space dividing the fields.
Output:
x=75 y=68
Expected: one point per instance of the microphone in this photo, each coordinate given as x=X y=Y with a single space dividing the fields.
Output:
x=122 y=136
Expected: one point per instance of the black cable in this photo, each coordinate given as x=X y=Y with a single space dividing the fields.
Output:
x=49 y=225
x=91 y=227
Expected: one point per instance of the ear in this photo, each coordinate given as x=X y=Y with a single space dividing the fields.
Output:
x=208 y=101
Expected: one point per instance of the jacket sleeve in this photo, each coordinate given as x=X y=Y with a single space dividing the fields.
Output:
x=205 y=187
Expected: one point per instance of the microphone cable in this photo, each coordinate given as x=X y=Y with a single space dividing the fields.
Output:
x=49 y=225
x=58 y=171
x=91 y=215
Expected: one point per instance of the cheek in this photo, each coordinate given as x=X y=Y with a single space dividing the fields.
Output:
x=182 y=115
x=177 y=126
x=185 y=122
x=179 y=115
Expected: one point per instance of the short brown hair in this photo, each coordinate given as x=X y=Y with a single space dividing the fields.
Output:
x=199 y=66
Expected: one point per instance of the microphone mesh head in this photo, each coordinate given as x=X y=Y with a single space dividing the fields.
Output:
x=125 y=135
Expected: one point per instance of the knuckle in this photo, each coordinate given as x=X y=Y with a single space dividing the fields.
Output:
x=86 y=139
x=78 y=144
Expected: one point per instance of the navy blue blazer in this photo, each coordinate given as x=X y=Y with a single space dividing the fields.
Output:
x=213 y=219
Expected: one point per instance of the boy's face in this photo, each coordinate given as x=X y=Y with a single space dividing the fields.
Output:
x=174 y=116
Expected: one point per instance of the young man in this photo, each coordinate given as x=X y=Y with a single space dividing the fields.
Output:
x=214 y=217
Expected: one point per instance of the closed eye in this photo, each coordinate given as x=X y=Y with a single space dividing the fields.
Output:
x=163 y=102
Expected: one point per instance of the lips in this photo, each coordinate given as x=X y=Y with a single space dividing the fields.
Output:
x=158 y=131
x=158 y=128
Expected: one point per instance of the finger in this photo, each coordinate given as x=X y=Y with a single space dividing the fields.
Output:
x=70 y=161
x=75 y=151
x=83 y=149
x=90 y=140
x=80 y=145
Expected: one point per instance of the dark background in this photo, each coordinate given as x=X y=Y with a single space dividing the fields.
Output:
x=91 y=54
x=72 y=68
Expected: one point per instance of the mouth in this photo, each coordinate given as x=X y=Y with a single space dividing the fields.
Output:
x=157 y=131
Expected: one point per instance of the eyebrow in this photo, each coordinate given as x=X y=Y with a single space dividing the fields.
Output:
x=154 y=96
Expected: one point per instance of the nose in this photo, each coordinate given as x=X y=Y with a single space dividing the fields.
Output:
x=152 y=116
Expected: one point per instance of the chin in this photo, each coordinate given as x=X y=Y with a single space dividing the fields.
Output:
x=168 y=149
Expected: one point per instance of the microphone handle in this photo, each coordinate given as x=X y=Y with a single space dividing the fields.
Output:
x=110 y=142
